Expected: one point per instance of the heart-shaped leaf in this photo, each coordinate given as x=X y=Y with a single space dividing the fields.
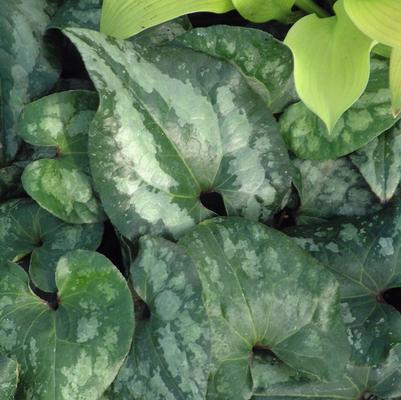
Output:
x=155 y=155
x=8 y=378
x=75 y=351
x=364 y=255
x=380 y=163
x=62 y=185
x=263 y=10
x=125 y=18
x=263 y=293
x=371 y=115
x=332 y=188
x=331 y=58
x=169 y=358
x=378 y=19
x=25 y=229
x=264 y=61
x=395 y=81
x=28 y=68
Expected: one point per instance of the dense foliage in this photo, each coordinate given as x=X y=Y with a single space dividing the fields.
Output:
x=184 y=215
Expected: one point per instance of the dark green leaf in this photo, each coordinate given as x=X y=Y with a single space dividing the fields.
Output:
x=63 y=185
x=75 y=351
x=173 y=124
x=8 y=378
x=10 y=182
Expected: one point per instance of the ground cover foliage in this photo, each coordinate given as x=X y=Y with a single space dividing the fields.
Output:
x=176 y=223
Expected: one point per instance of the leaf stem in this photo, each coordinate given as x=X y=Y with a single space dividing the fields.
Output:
x=312 y=8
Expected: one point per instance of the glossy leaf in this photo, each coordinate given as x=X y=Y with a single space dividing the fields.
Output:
x=364 y=255
x=264 y=61
x=62 y=185
x=153 y=152
x=263 y=10
x=306 y=135
x=378 y=19
x=380 y=163
x=28 y=68
x=125 y=18
x=75 y=351
x=8 y=378
x=333 y=188
x=395 y=81
x=261 y=290
x=26 y=229
x=331 y=63
x=170 y=355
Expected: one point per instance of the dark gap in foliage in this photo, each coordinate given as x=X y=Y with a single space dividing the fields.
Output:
x=142 y=311
x=204 y=19
x=213 y=201
x=51 y=299
x=285 y=218
x=110 y=247
x=24 y=262
x=391 y=297
x=265 y=352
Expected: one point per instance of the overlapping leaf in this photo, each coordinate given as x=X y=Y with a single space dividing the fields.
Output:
x=263 y=10
x=170 y=355
x=306 y=135
x=262 y=291
x=28 y=68
x=27 y=229
x=395 y=81
x=8 y=378
x=264 y=61
x=62 y=185
x=364 y=255
x=173 y=124
x=75 y=351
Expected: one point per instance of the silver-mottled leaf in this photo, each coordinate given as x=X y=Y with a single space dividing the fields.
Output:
x=261 y=290
x=172 y=124
x=265 y=62
x=8 y=378
x=26 y=229
x=63 y=185
x=169 y=359
x=75 y=351
x=380 y=163
x=306 y=135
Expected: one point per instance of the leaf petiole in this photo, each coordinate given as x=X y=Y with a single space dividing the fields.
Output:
x=311 y=7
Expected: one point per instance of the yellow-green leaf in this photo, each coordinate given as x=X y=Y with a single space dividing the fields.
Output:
x=331 y=59
x=125 y=18
x=378 y=19
x=263 y=10
x=395 y=81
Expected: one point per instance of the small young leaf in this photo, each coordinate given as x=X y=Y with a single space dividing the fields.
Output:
x=76 y=350
x=262 y=291
x=125 y=18
x=395 y=81
x=170 y=355
x=9 y=375
x=63 y=186
x=380 y=163
x=331 y=58
x=264 y=61
x=27 y=229
x=173 y=125
x=263 y=10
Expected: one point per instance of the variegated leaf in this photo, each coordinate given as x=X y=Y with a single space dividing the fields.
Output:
x=174 y=124
x=76 y=350
x=9 y=375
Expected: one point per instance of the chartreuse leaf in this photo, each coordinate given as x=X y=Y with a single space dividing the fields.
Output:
x=331 y=63
x=62 y=185
x=9 y=375
x=378 y=19
x=264 y=61
x=263 y=292
x=263 y=10
x=306 y=135
x=364 y=255
x=153 y=152
x=380 y=163
x=76 y=350
x=383 y=381
x=170 y=355
x=395 y=81
x=125 y=18
x=27 y=229
x=332 y=188
x=28 y=68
